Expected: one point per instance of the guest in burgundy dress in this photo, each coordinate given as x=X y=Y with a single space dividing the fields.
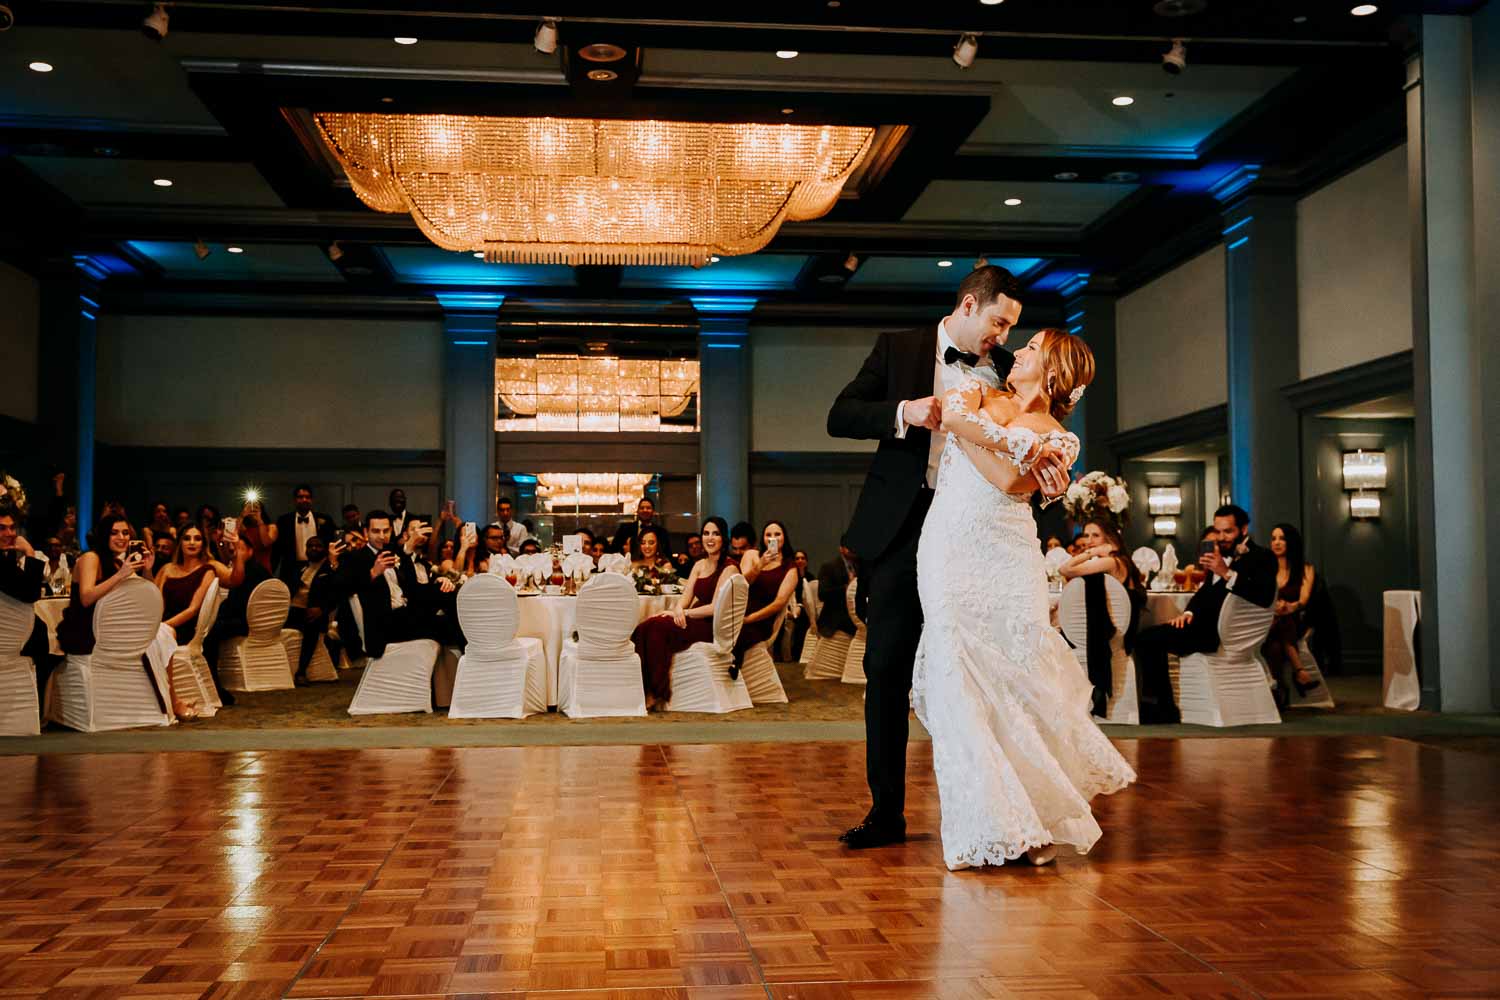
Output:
x=773 y=580
x=663 y=636
x=184 y=582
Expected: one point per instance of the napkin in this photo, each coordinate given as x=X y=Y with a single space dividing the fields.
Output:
x=1168 y=567
x=615 y=562
x=1146 y=560
x=577 y=565
x=502 y=564
x=1055 y=558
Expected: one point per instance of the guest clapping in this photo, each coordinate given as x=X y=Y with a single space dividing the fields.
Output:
x=773 y=581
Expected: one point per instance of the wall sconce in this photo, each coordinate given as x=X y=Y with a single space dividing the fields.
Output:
x=1364 y=471
x=1364 y=506
x=1165 y=527
x=1164 y=500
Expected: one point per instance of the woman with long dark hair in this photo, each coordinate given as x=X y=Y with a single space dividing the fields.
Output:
x=773 y=580
x=663 y=636
x=184 y=582
x=1294 y=587
x=110 y=560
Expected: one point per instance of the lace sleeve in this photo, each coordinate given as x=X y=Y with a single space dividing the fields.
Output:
x=964 y=416
x=1070 y=446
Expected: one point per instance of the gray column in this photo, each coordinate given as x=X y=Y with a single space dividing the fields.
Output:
x=1089 y=308
x=1452 y=506
x=469 y=401
x=67 y=376
x=1486 y=119
x=1260 y=237
x=724 y=406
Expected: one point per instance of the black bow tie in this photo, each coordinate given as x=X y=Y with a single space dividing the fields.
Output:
x=304 y=518
x=953 y=354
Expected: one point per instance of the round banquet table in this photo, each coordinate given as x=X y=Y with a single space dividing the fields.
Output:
x=551 y=618
x=1161 y=606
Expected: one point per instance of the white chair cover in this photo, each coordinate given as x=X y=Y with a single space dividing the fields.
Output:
x=1072 y=615
x=18 y=706
x=700 y=673
x=758 y=670
x=258 y=661
x=192 y=686
x=854 y=659
x=1229 y=687
x=499 y=676
x=1400 y=687
x=1318 y=697
x=109 y=688
x=400 y=680
x=810 y=640
x=599 y=674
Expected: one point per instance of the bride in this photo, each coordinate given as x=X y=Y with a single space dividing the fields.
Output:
x=1017 y=756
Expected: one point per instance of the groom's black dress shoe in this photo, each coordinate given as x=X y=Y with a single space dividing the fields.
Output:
x=874 y=833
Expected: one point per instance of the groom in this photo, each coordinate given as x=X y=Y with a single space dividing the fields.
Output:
x=896 y=399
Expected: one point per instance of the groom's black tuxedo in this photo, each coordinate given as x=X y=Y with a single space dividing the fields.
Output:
x=883 y=533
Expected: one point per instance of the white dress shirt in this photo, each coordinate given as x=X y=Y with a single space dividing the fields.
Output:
x=306 y=527
x=944 y=377
x=398 y=596
x=515 y=534
x=299 y=599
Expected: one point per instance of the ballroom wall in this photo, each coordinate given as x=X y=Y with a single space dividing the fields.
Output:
x=1171 y=343
x=270 y=382
x=1354 y=268
x=794 y=374
x=19 y=323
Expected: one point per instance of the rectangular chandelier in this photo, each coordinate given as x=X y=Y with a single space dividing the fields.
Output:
x=566 y=392
x=593 y=191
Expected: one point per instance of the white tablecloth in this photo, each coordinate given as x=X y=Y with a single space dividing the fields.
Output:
x=1161 y=606
x=1400 y=687
x=552 y=618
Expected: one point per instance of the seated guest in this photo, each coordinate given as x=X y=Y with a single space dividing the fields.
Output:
x=512 y=532
x=647 y=553
x=21 y=575
x=396 y=606
x=595 y=551
x=645 y=517
x=530 y=547
x=685 y=560
x=833 y=585
x=181 y=518
x=741 y=540
x=67 y=533
x=399 y=514
x=184 y=580
x=1237 y=566
x=802 y=621
x=159 y=525
x=293 y=529
x=773 y=580
x=1295 y=579
x=245 y=574
x=493 y=544
x=1103 y=554
x=659 y=638
x=59 y=567
x=315 y=596
x=451 y=555
x=352 y=519
x=260 y=531
x=164 y=546
x=1053 y=542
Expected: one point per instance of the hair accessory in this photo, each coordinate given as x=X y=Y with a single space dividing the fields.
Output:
x=1075 y=395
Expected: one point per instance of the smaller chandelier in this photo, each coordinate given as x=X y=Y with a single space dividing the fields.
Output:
x=567 y=490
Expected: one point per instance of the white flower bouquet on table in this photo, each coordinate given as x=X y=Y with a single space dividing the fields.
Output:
x=1098 y=496
x=11 y=490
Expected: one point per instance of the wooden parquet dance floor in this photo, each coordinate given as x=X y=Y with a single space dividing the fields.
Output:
x=1334 y=867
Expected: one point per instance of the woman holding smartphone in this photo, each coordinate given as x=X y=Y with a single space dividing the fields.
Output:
x=773 y=581
x=115 y=556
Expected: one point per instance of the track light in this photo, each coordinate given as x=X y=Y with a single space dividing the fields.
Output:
x=335 y=252
x=154 y=26
x=546 y=36
x=201 y=249
x=966 y=49
x=851 y=263
x=1174 y=60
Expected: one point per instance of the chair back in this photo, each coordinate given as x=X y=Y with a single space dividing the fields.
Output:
x=606 y=616
x=15 y=625
x=849 y=593
x=488 y=612
x=358 y=611
x=1073 y=615
x=207 y=612
x=265 y=612
x=1243 y=626
x=729 y=611
x=126 y=618
x=810 y=600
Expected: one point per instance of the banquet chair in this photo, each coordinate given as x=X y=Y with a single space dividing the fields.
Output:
x=758 y=670
x=1401 y=686
x=400 y=680
x=110 y=688
x=854 y=659
x=1318 y=697
x=599 y=673
x=810 y=640
x=499 y=676
x=320 y=666
x=18 y=708
x=700 y=673
x=829 y=653
x=1229 y=687
x=193 y=686
x=1072 y=615
x=258 y=661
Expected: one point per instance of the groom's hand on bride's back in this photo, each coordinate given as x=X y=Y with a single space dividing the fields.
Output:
x=926 y=412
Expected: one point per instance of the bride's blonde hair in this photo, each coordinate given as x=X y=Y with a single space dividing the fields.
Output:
x=1067 y=365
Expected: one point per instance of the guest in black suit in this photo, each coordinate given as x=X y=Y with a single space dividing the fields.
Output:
x=293 y=529
x=401 y=518
x=246 y=573
x=1236 y=565
x=21 y=575
x=645 y=517
x=833 y=584
x=894 y=400
x=315 y=596
x=352 y=519
x=396 y=606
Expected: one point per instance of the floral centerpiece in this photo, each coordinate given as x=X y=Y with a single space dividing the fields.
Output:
x=12 y=493
x=1098 y=496
x=651 y=579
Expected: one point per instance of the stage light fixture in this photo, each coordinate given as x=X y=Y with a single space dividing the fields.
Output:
x=154 y=25
x=201 y=249
x=851 y=263
x=1123 y=101
x=545 y=40
x=966 y=49
x=335 y=252
x=235 y=249
x=1174 y=60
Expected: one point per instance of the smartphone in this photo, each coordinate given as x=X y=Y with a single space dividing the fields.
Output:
x=136 y=548
x=229 y=525
x=451 y=507
x=1207 y=548
x=773 y=547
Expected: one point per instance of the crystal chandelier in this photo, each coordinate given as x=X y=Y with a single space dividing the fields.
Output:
x=566 y=392
x=592 y=191
x=566 y=490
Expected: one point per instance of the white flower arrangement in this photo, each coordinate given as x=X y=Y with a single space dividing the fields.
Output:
x=1098 y=496
x=11 y=489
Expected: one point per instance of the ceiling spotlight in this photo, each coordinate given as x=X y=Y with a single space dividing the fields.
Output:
x=335 y=252
x=1174 y=60
x=201 y=250
x=787 y=111
x=602 y=75
x=713 y=260
x=387 y=100
x=851 y=263
x=404 y=40
x=235 y=249
x=1122 y=101
x=1065 y=175
x=1300 y=19
x=163 y=182
x=992 y=3
x=945 y=263
x=545 y=40
x=1363 y=10
x=154 y=25
x=1013 y=202
x=965 y=50
x=479 y=255
x=787 y=53
x=40 y=67
x=1122 y=177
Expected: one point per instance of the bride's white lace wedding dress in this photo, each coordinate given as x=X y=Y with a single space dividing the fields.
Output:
x=1017 y=756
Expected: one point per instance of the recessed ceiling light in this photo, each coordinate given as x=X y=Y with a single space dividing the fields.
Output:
x=1013 y=202
x=1066 y=175
x=387 y=100
x=787 y=111
x=235 y=249
x=163 y=182
x=787 y=53
x=404 y=40
x=40 y=67
x=1363 y=10
x=479 y=255
x=992 y=3
x=1123 y=101
x=945 y=263
x=713 y=260
x=602 y=75
x=1122 y=177
x=1300 y=19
